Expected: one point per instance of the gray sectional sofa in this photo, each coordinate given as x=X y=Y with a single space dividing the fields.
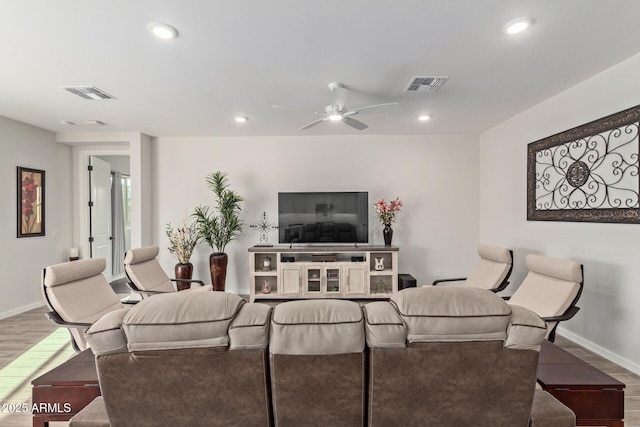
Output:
x=428 y=357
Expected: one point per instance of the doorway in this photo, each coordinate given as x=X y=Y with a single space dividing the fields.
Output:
x=109 y=211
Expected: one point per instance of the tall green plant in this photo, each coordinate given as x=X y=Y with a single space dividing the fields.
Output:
x=220 y=226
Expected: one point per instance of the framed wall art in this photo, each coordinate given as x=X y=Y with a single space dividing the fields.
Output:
x=588 y=173
x=31 y=185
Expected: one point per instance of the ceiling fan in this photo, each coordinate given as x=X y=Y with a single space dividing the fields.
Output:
x=337 y=110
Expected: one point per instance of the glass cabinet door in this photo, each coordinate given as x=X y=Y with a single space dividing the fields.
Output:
x=314 y=280
x=333 y=280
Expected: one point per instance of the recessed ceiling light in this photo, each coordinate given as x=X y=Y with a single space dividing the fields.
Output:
x=518 y=25
x=163 y=31
x=240 y=119
x=66 y=122
x=424 y=117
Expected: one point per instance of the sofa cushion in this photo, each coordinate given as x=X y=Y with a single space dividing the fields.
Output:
x=526 y=329
x=315 y=327
x=181 y=320
x=384 y=326
x=106 y=336
x=250 y=328
x=452 y=314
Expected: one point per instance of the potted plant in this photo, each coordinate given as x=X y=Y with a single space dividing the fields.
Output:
x=220 y=226
x=182 y=241
x=387 y=215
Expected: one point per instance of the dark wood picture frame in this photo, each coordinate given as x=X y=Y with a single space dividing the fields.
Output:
x=31 y=202
x=588 y=173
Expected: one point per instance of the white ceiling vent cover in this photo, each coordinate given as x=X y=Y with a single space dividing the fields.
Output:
x=88 y=92
x=429 y=84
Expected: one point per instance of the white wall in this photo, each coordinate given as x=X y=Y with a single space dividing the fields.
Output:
x=435 y=177
x=609 y=316
x=21 y=260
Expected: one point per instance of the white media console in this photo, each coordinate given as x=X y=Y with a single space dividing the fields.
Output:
x=305 y=272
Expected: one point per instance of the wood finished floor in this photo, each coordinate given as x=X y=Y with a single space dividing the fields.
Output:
x=31 y=345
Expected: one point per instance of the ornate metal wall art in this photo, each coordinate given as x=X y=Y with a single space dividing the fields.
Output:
x=588 y=173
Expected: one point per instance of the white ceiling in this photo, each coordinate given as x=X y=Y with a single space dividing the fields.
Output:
x=240 y=57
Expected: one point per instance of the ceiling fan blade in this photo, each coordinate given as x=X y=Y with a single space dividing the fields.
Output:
x=354 y=123
x=372 y=109
x=313 y=123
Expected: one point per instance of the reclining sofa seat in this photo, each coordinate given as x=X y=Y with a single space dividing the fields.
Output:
x=477 y=357
x=318 y=364
x=183 y=359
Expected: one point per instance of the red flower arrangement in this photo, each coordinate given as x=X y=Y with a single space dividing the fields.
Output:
x=387 y=211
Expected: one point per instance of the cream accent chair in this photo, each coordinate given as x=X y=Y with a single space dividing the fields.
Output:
x=146 y=275
x=78 y=294
x=491 y=272
x=181 y=359
x=551 y=289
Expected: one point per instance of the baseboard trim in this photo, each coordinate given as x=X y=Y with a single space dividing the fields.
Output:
x=20 y=310
x=627 y=364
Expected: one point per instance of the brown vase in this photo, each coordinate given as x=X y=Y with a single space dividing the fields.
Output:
x=218 y=267
x=183 y=271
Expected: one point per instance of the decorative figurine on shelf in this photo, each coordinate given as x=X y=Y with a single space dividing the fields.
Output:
x=379 y=266
x=264 y=226
x=266 y=287
x=381 y=287
x=266 y=263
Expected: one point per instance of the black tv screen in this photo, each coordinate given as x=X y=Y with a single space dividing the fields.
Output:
x=323 y=218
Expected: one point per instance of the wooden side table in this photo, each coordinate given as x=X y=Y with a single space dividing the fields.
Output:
x=596 y=398
x=63 y=391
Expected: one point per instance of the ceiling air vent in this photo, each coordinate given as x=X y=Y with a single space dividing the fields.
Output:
x=429 y=84
x=88 y=92
x=95 y=123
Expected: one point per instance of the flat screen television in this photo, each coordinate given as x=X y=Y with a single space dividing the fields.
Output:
x=323 y=217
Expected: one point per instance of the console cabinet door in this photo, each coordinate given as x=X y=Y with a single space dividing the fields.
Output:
x=355 y=279
x=291 y=278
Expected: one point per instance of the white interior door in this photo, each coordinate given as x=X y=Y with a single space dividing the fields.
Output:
x=100 y=211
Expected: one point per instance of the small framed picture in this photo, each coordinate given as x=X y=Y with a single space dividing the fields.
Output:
x=30 y=202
